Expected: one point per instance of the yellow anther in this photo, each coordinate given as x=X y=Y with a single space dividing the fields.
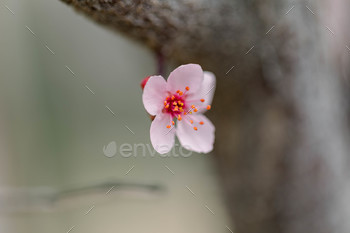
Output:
x=165 y=103
x=173 y=97
x=191 y=121
x=187 y=88
x=167 y=106
x=179 y=117
x=208 y=107
x=176 y=108
x=180 y=93
x=174 y=103
x=195 y=110
x=193 y=106
x=168 y=126
x=195 y=128
x=173 y=122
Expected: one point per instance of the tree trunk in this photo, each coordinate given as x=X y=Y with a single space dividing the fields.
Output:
x=280 y=107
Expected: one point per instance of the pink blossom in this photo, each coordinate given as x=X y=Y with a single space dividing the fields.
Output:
x=178 y=106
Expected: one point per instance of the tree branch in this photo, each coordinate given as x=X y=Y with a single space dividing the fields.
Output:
x=185 y=30
x=281 y=138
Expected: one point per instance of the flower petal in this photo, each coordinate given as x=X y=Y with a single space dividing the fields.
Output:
x=190 y=75
x=154 y=94
x=206 y=92
x=200 y=140
x=162 y=138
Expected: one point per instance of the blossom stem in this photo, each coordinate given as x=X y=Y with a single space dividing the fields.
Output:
x=160 y=63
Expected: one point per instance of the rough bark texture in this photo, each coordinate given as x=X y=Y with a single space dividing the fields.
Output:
x=182 y=30
x=280 y=112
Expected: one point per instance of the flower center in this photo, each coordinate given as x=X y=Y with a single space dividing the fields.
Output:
x=175 y=105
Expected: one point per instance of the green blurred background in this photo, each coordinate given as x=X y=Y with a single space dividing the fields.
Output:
x=53 y=130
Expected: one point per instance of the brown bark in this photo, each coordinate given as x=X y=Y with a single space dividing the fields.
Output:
x=281 y=122
x=182 y=30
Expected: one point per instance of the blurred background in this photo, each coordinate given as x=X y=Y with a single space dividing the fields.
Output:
x=61 y=77
x=70 y=100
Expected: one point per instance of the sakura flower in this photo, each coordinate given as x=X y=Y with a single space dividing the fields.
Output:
x=178 y=105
